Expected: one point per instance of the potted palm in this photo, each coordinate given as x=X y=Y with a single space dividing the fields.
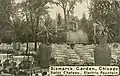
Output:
x=101 y=29
x=102 y=53
x=45 y=49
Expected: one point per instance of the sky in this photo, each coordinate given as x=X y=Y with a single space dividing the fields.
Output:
x=78 y=11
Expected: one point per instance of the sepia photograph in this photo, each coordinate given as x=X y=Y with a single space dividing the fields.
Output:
x=59 y=37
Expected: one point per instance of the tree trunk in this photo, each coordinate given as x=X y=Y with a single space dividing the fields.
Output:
x=65 y=18
x=66 y=27
x=35 y=42
x=35 y=32
x=27 y=44
x=47 y=37
x=14 y=42
x=94 y=35
x=27 y=34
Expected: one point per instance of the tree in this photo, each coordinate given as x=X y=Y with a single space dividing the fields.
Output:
x=34 y=10
x=104 y=15
x=59 y=19
x=5 y=12
x=68 y=8
x=48 y=28
x=11 y=18
x=17 y=23
x=84 y=24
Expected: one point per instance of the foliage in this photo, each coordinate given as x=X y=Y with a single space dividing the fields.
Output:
x=105 y=14
x=47 y=29
x=84 y=24
x=5 y=12
x=33 y=10
x=59 y=19
x=68 y=8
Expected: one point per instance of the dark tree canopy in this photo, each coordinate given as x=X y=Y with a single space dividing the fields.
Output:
x=105 y=13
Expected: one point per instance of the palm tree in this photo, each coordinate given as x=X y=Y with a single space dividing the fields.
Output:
x=105 y=15
x=101 y=29
x=18 y=28
x=47 y=29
